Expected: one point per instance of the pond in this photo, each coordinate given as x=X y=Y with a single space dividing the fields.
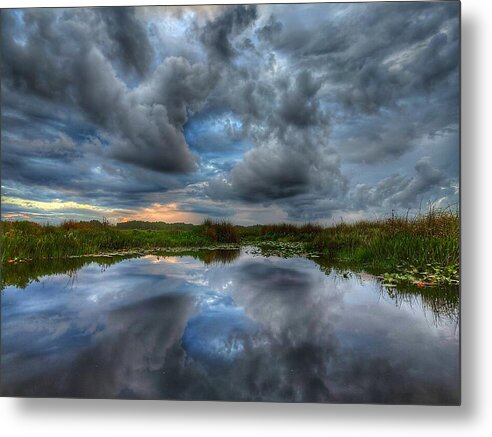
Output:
x=225 y=325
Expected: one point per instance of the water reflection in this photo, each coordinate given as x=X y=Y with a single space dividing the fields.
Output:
x=224 y=326
x=23 y=273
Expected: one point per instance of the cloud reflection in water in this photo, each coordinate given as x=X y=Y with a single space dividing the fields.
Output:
x=256 y=328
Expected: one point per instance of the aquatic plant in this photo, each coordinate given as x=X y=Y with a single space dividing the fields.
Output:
x=430 y=276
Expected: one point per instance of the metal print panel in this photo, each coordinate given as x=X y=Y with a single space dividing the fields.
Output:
x=232 y=202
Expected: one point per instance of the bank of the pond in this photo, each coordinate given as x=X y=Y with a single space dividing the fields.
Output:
x=423 y=250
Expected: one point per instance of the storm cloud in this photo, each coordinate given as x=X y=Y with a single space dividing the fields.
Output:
x=218 y=33
x=351 y=111
x=147 y=121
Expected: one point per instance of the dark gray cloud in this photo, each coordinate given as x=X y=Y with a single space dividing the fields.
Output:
x=270 y=30
x=63 y=59
x=131 y=45
x=412 y=46
x=218 y=33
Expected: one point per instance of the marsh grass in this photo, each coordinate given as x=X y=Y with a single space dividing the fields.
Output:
x=26 y=240
x=291 y=232
x=431 y=238
x=427 y=243
x=220 y=231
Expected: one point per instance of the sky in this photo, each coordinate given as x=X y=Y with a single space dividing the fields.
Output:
x=248 y=113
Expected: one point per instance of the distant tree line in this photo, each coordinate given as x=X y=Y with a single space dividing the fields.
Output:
x=154 y=226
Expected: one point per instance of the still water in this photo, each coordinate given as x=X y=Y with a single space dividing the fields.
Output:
x=225 y=326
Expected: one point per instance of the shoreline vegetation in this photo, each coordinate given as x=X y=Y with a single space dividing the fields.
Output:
x=421 y=250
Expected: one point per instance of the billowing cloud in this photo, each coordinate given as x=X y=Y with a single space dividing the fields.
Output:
x=131 y=45
x=147 y=121
x=217 y=33
x=400 y=191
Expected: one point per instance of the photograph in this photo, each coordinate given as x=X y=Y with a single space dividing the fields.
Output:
x=236 y=202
